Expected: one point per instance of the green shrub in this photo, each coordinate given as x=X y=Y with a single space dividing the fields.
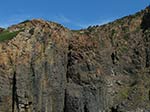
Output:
x=31 y=31
x=25 y=21
x=126 y=36
x=113 y=32
x=6 y=35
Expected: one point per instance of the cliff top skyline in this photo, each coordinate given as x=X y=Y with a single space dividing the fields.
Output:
x=72 y=14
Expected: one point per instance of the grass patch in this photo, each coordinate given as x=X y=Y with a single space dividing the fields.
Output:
x=126 y=37
x=124 y=93
x=123 y=49
x=6 y=35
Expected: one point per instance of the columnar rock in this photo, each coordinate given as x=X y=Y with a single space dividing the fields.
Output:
x=45 y=67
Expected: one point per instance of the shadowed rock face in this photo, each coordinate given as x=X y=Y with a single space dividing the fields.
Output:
x=49 y=68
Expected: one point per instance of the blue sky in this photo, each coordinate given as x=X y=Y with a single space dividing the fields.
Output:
x=74 y=14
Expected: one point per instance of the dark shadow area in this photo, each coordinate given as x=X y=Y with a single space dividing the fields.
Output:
x=14 y=94
x=146 y=20
x=114 y=57
x=65 y=102
x=145 y=25
x=85 y=109
x=114 y=109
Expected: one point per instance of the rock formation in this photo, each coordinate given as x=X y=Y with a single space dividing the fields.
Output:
x=45 y=67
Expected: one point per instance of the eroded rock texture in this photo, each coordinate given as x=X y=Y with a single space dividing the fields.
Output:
x=49 y=68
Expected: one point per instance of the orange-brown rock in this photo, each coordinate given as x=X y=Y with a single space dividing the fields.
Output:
x=49 y=68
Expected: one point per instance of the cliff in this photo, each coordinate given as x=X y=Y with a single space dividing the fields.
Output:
x=45 y=67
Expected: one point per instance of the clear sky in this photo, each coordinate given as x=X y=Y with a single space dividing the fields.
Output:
x=74 y=14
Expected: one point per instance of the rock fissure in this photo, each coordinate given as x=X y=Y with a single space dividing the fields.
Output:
x=15 y=100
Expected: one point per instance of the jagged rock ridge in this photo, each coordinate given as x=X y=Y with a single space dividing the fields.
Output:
x=48 y=68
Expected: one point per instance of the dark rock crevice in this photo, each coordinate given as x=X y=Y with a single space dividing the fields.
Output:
x=65 y=102
x=147 y=47
x=114 y=57
x=69 y=63
x=85 y=108
x=145 y=26
x=114 y=110
x=15 y=99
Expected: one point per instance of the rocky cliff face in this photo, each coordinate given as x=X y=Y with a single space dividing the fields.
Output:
x=45 y=67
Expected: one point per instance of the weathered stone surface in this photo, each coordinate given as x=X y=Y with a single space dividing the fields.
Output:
x=49 y=68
